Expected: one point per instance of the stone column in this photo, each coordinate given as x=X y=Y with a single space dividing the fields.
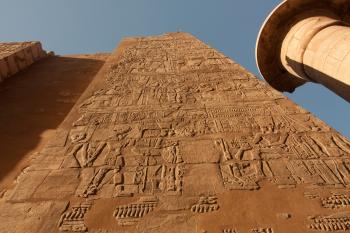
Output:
x=306 y=41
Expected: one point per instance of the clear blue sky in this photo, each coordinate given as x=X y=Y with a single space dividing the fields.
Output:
x=89 y=26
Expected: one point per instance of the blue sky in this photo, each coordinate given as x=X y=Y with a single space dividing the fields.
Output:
x=89 y=26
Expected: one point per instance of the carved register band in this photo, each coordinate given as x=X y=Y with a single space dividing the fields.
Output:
x=174 y=136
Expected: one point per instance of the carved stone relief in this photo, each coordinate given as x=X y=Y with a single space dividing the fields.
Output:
x=73 y=218
x=178 y=138
x=16 y=56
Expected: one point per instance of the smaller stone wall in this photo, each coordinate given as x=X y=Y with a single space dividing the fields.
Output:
x=16 y=56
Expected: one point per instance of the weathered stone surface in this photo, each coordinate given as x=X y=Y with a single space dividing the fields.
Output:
x=62 y=182
x=28 y=182
x=38 y=217
x=17 y=56
x=36 y=102
x=173 y=136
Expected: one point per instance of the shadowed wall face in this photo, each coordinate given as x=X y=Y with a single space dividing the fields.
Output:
x=34 y=102
x=89 y=26
x=173 y=136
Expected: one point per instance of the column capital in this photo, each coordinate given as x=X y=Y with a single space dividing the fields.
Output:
x=275 y=29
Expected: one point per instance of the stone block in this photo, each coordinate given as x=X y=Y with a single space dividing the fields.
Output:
x=18 y=56
x=59 y=184
x=20 y=59
x=12 y=64
x=28 y=182
x=38 y=217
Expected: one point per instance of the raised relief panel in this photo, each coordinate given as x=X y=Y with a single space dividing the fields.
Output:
x=155 y=167
x=172 y=154
x=16 y=56
x=336 y=201
x=175 y=124
x=148 y=180
x=335 y=222
x=237 y=173
x=342 y=143
x=311 y=196
x=80 y=134
x=205 y=205
x=93 y=119
x=103 y=177
x=73 y=219
x=171 y=179
x=264 y=109
x=239 y=176
x=223 y=88
x=281 y=158
x=84 y=154
x=130 y=214
x=229 y=230
x=262 y=230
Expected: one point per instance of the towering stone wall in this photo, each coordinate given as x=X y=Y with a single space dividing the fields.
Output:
x=173 y=136
x=16 y=56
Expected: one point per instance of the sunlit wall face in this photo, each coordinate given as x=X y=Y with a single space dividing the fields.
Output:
x=89 y=26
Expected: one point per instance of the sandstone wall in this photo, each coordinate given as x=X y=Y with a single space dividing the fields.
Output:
x=16 y=56
x=173 y=136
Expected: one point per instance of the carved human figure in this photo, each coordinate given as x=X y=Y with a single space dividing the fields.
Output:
x=172 y=154
x=113 y=164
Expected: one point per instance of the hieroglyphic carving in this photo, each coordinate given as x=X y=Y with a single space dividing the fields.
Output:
x=176 y=120
x=73 y=220
x=205 y=205
x=229 y=230
x=335 y=222
x=165 y=179
x=336 y=201
x=86 y=153
x=255 y=230
x=160 y=93
x=309 y=195
x=238 y=174
x=262 y=230
x=130 y=214
x=286 y=159
x=108 y=172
